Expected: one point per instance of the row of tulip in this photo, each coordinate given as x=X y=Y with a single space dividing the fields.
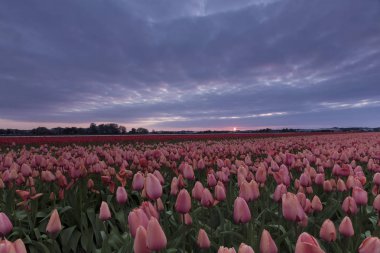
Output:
x=251 y=195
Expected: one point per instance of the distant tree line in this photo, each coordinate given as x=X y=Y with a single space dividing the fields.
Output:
x=93 y=129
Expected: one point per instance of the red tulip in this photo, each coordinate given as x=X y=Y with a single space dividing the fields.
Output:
x=5 y=225
x=346 y=228
x=242 y=214
x=307 y=244
x=267 y=245
x=328 y=231
x=183 y=203
x=156 y=239
x=54 y=225
x=202 y=240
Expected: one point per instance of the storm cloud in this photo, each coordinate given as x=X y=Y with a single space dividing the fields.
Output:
x=190 y=64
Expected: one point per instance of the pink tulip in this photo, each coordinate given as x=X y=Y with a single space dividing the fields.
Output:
x=197 y=191
x=305 y=179
x=291 y=208
x=346 y=228
x=279 y=191
x=376 y=179
x=316 y=204
x=139 y=245
x=138 y=181
x=242 y=214
x=307 y=244
x=244 y=248
x=19 y=246
x=183 y=202
x=7 y=247
x=370 y=245
x=328 y=231
x=104 y=212
x=267 y=245
x=54 y=225
x=341 y=185
x=153 y=187
x=202 y=239
x=121 y=195
x=207 y=200
x=376 y=203
x=5 y=225
x=360 y=196
x=155 y=239
x=211 y=180
x=136 y=218
x=188 y=172
x=174 y=186
x=226 y=250
x=220 y=193
x=349 y=205
x=261 y=175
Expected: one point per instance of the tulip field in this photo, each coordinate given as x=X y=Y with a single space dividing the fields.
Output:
x=264 y=194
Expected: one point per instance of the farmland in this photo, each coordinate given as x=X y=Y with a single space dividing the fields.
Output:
x=191 y=193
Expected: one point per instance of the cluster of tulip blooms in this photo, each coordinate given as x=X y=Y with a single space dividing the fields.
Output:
x=302 y=194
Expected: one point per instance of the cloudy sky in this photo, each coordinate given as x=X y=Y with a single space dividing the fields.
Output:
x=191 y=64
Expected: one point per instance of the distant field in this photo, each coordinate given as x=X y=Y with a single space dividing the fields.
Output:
x=146 y=137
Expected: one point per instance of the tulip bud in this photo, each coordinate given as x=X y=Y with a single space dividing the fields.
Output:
x=202 y=240
x=376 y=203
x=5 y=225
x=54 y=225
x=7 y=247
x=267 y=245
x=307 y=244
x=244 y=248
x=156 y=239
x=328 y=231
x=121 y=195
x=349 y=206
x=183 y=202
x=19 y=246
x=104 y=213
x=153 y=187
x=360 y=196
x=370 y=245
x=316 y=204
x=242 y=214
x=207 y=200
x=346 y=228
x=139 y=245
